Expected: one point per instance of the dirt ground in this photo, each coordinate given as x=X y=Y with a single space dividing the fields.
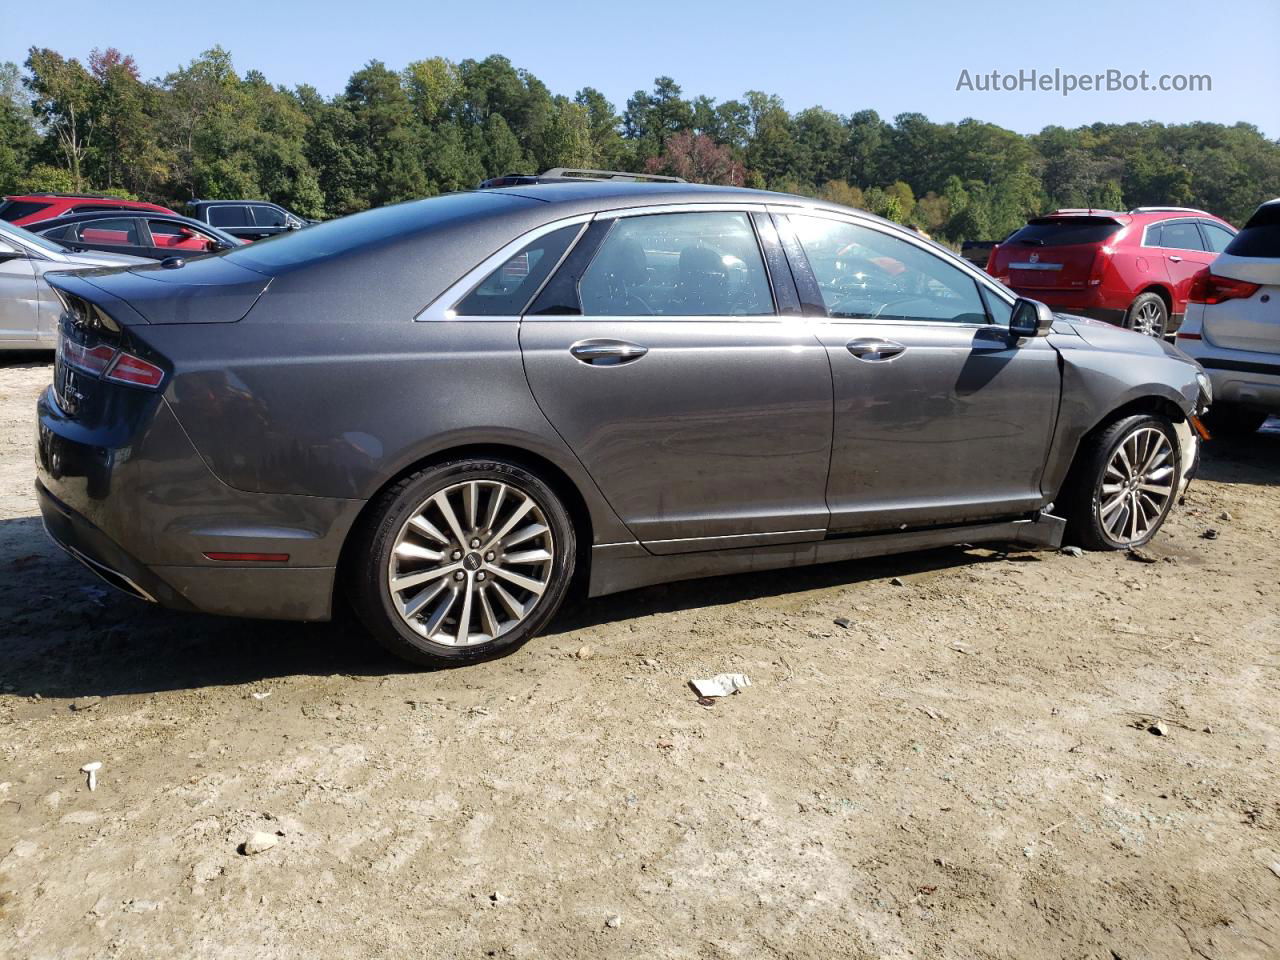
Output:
x=965 y=771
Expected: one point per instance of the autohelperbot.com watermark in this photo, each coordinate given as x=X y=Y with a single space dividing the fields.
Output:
x=1065 y=82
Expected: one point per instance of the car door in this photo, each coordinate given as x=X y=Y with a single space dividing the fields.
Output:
x=1185 y=254
x=940 y=417
x=701 y=411
x=19 y=302
x=268 y=220
x=232 y=218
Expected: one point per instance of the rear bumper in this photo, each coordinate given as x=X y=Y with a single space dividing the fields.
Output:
x=1241 y=377
x=275 y=593
x=134 y=502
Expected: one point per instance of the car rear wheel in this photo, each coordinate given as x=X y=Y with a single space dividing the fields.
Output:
x=1229 y=420
x=461 y=562
x=1147 y=315
x=1124 y=483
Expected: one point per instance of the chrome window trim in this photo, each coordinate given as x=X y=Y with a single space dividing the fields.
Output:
x=441 y=309
x=901 y=233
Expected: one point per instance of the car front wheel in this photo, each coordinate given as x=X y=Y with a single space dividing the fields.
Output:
x=1124 y=483
x=462 y=562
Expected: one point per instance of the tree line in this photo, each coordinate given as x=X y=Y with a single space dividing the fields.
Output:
x=205 y=131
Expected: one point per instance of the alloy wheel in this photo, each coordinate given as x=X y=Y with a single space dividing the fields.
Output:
x=471 y=563
x=1148 y=319
x=1137 y=486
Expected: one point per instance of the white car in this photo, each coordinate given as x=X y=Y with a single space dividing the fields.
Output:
x=29 y=309
x=1232 y=325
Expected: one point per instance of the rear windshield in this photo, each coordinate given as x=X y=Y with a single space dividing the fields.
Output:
x=360 y=230
x=1260 y=237
x=1064 y=231
x=12 y=210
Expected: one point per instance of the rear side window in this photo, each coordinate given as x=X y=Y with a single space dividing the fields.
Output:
x=1217 y=236
x=678 y=264
x=229 y=216
x=1260 y=237
x=1181 y=236
x=265 y=216
x=111 y=233
x=1065 y=231
x=13 y=210
x=506 y=291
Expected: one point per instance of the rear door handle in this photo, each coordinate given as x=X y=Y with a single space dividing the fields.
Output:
x=1176 y=259
x=607 y=353
x=874 y=348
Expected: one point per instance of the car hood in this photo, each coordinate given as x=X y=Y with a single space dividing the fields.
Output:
x=1106 y=336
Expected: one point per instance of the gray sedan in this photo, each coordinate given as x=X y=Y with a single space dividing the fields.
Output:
x=452 y=412
x=29 y=309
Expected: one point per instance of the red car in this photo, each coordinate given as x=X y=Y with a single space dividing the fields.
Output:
x=33 y=207
x=1131 y=269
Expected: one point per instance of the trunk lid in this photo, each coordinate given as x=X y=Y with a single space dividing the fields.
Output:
x=1053 y=253
x=204 y=290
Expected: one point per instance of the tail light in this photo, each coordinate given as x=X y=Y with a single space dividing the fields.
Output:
x=1101 y=259
x=102 y=356
x=135 y=371
x=1208 y=287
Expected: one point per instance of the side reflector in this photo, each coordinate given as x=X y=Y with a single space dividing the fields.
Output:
x=249 y=557
x=135 y=372
x=1200 y=428
x=1187 y=336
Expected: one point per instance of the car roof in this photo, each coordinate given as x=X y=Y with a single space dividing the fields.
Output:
x=594 y=196
x=125 y=213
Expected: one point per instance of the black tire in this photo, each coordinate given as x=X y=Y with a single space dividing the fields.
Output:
x=1148 y=314
x=369 y=559
x=1083 y=489
x=1232 y=421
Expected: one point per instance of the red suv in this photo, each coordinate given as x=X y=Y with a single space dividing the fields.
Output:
x=32 y=207
x=1132 y=269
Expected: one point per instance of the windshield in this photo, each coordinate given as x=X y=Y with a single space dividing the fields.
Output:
x=1065 y=231
x=29 y=239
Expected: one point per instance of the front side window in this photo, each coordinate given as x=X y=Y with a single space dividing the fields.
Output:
x=678 y=264
x=265 y=216
x=865 y=274
x=1181 y=235
x=229 y=216
x=506 y=291
x=1219 y=237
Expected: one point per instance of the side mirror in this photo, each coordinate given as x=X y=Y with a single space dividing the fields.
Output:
x=1030 y=318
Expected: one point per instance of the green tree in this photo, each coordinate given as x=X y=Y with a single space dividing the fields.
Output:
x=62 y=97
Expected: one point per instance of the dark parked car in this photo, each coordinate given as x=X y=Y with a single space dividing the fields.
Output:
x=450 y=410
x=154 y=236
x=247 y=219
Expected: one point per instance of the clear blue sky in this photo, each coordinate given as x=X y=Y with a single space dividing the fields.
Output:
x=846 y=56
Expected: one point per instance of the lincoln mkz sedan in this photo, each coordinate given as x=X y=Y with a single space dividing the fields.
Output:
x=450 y=411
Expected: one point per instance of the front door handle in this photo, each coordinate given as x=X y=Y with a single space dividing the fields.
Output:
x=607 y=353
x=1176 y=259
x=874 y=348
